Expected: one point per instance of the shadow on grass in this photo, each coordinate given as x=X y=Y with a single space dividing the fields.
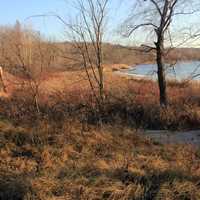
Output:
x=152 y=182
x=179 y=184
x=14 y=187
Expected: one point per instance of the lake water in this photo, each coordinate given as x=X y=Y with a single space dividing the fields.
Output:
x=180 y=71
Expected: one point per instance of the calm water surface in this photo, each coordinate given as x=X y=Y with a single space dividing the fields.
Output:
x=180 y=71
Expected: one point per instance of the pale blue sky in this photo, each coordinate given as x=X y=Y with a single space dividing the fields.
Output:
x=11 y=10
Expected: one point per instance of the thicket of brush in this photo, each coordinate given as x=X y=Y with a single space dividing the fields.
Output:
x=134 y=104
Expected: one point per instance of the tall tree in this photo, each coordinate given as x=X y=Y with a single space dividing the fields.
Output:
x=157 y=16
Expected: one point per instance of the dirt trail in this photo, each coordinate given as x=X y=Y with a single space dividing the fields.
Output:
x=167 y=137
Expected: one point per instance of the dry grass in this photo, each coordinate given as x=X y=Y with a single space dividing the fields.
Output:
x=63 y=153
x=129 y=101
x=50 y=162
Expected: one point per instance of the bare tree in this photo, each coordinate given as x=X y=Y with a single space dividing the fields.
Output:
x=157 y=16
x=85 y=31
x=25 y=53
x=87 y=37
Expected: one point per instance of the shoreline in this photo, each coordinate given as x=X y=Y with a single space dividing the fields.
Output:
x=123 y=72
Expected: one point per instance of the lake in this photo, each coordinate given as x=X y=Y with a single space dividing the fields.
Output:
x=180 y=71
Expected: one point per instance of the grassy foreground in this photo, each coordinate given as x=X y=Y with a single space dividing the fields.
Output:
x=63 y=153
x=112 y=162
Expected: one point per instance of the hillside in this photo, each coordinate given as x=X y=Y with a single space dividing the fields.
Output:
x=117 y=54
x=133 y=55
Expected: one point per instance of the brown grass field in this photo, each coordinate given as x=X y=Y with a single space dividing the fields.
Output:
x=63 y=153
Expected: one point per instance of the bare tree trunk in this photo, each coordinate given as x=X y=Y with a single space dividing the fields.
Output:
x=101 y=76
x=101 y=85
x=2 y=81
x=36 y=103
x=161 y=71
x=101 y=92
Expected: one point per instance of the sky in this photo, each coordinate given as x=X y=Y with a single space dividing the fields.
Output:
x=12 y=10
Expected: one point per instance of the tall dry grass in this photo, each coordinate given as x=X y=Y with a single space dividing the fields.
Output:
x=49 y=162
x=131 y=102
